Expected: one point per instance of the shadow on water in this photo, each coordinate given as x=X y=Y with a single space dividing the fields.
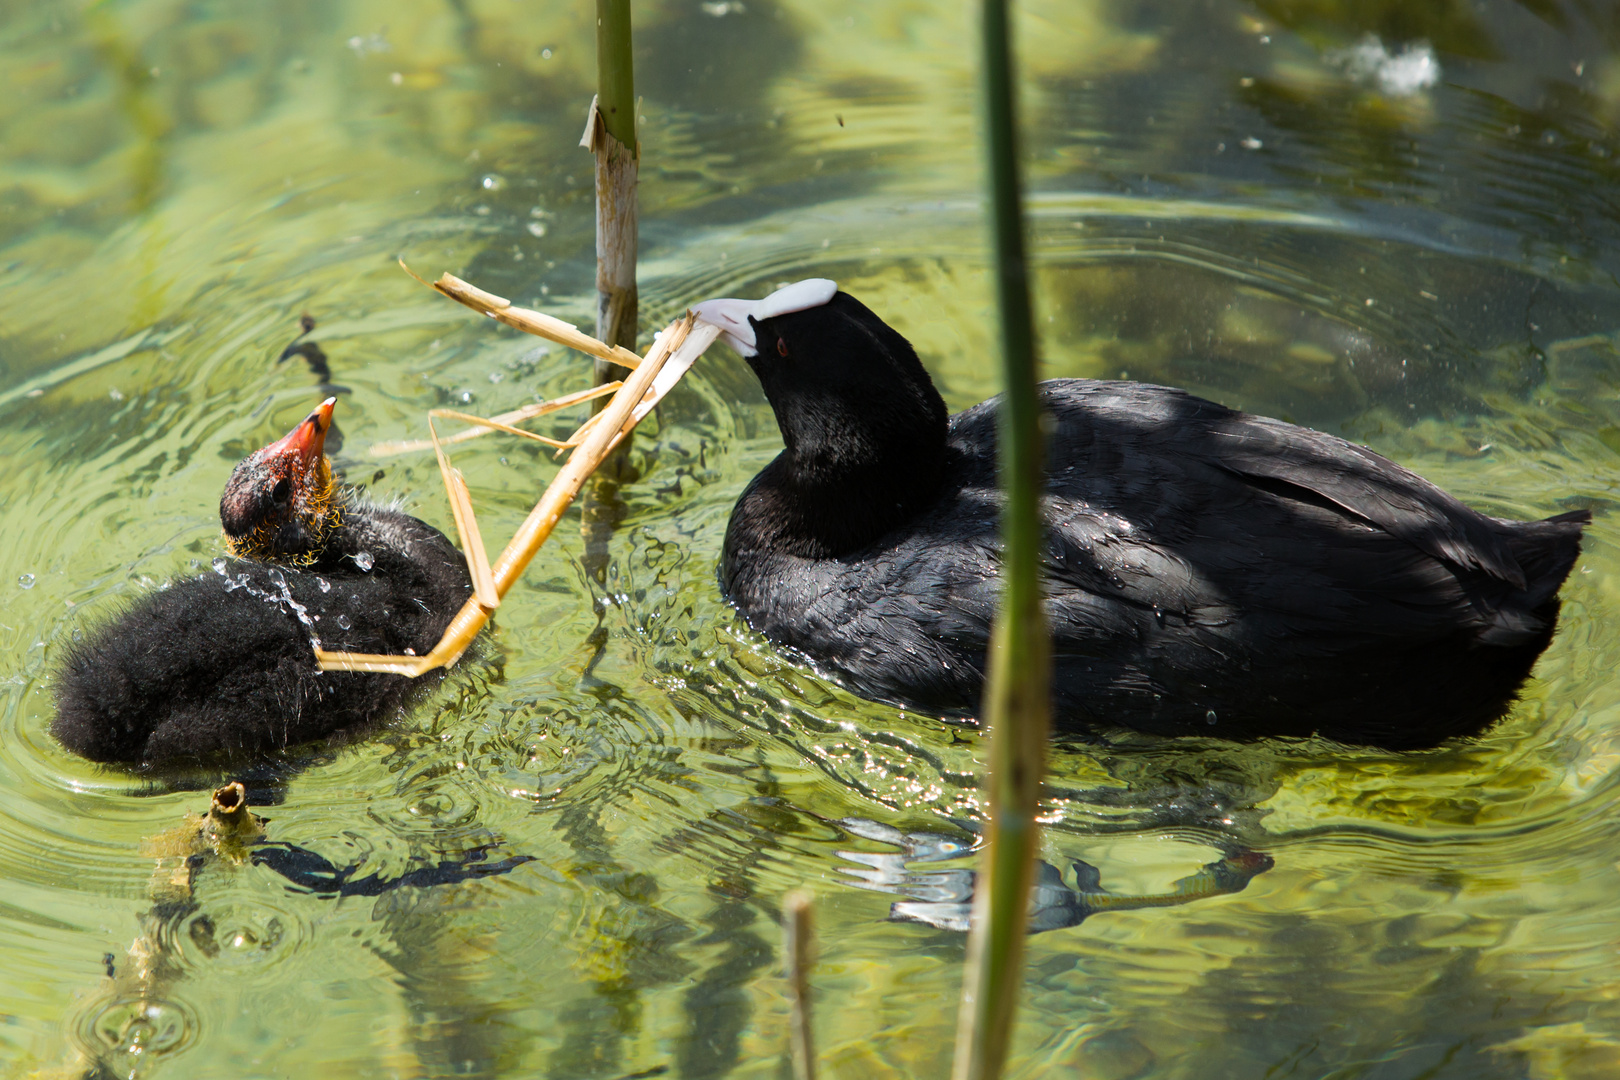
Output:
x=633 y=947
x=718 y=1006
x=137 y=1020
x=628 y=950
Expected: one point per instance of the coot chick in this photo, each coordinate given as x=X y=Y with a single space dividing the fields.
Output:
x=221 y=666
x=1207 y=571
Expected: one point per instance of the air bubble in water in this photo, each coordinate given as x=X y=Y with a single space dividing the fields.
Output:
x=219 y=565
x=25 y=581
x=1209 y=717
x=363 y=560
x=277 y=579
x=323 y=584
x=343 y=622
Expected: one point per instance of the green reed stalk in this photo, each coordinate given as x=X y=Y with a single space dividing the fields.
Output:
x=1017 y=698
x=615 y=70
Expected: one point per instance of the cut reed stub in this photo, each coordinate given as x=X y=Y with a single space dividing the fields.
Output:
x=229 y=802
x=798 y=943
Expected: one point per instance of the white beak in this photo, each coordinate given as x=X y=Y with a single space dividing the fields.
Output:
x=731 y=317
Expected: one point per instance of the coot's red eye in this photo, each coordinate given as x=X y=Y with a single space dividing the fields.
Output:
x=781 y=347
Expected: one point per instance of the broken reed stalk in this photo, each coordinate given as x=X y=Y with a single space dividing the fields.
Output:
x=798 y=943
x=1017 y=697
x=610 y=136
x=538 y=323
x=677 y=348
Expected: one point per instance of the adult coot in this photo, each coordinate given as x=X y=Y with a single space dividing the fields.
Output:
x=1207 y=571
x=221 y=665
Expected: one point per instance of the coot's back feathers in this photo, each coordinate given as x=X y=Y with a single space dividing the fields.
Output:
x=1207 y=570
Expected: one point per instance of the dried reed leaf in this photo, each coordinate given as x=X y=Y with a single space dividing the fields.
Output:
x=455 y=486
x=495 y=423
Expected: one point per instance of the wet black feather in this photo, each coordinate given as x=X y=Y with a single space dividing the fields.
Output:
x=1207 y=571
x=220 y=666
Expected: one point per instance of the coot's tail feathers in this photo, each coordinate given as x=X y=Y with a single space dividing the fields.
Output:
x=1547 y=551
x=1371 y=487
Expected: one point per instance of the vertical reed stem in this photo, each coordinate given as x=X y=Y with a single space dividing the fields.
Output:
x=798 y=943
x=614 y=144
x=615 y=71
x=1017 y=699
x=612 y=138
x=610 y=134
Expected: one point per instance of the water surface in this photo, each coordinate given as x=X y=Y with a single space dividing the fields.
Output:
x=1224 y=197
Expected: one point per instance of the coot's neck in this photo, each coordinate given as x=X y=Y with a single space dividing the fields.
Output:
x=853 y=467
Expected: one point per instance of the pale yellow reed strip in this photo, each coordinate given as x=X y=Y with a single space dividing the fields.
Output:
x=472 y=544
x=497 y=423
x=695 y=343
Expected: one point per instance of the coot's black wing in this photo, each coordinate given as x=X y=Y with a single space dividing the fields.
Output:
x=1242 y=503
x=1202 y=566
x=1362 y=483
x=1208 y=564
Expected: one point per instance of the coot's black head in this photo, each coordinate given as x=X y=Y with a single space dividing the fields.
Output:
x=862 y=426
x=279 y=504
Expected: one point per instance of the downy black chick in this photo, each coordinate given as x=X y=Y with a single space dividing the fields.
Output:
x=221 y=666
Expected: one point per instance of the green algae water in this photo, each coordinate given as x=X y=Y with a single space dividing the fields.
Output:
x=1394 y=222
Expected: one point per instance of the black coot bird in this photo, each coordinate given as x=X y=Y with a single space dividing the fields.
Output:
x=1207 y=571
x=221 y=666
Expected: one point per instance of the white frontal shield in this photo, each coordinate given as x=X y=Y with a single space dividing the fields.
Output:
x=731 y=317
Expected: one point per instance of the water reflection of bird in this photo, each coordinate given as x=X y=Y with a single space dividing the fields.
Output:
x=1207 y=571
x=943 y=897
x=221 y=665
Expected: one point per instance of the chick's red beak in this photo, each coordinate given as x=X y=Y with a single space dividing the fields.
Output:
x=308 y=439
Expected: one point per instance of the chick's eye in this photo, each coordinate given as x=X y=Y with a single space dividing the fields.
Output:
x=282 y=489
x=781 y=347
